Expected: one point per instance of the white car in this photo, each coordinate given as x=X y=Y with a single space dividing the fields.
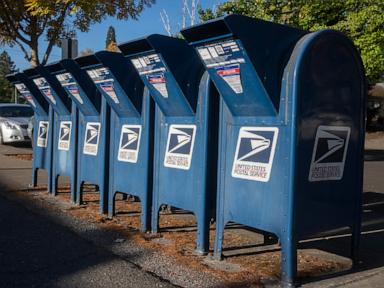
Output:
x=14 y=122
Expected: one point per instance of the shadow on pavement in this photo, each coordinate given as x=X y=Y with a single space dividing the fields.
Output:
x=374 y=155
x=371 y=253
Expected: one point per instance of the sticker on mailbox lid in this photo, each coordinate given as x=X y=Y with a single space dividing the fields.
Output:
x=44 y=87
x=231 y=75
x=65 y=135
x=102 y=78
x=25 y=93
x=179 y=148
x=221 y=53
x=66 y=80
x=108 y=88
x=329 y=153
x=129 y=143
x=42 y=135
x=158 y=82
x=91 y=140
x=254 y=154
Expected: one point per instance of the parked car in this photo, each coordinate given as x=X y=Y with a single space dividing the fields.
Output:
x=30 y=128
x=14 y=122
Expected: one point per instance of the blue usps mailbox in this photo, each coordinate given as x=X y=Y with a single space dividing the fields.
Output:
x=93 y=130
x=131 y=133
x=64 y=122
x=42 y=121
x=291 y=129
x=185 y=143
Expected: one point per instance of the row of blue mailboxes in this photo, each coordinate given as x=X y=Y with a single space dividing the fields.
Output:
x=244 y=121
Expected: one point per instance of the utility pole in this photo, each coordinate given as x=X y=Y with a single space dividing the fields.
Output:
x=69 y=48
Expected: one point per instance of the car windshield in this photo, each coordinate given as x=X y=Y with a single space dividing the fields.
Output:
x=16 y=111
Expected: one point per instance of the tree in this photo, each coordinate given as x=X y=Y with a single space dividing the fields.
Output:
x=189 y=13
x=24 y=22
x=86 y=52
x=6 y=67
x=111 y=36
x=110 y=41
x=361 y=20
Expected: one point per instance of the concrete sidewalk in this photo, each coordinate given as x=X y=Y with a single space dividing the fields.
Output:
x=91 y=251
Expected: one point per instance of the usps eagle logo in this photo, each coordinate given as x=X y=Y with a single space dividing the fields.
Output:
x=329 y=153
x=254 y=153
x=180 y=144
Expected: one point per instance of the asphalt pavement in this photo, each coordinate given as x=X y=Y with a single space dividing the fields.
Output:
x=36 y=252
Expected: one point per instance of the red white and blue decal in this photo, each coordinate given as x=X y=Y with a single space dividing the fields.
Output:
x=25 y=93
x=159 y=83
x=231 y=75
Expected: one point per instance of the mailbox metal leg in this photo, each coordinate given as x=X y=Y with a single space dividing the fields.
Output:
x=288 y=260
x=79 y=192
x=111 y=204
x=145 y=215
x=55 y=180
x=73 y=190
x=50 y=186
x=202 y=245
x=103 y=198
x=155 y=218
x=34 y=176
x=218 y=249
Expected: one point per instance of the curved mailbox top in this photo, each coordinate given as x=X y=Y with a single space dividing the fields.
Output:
x=30 y=92
x=245 y=58
x=170 y=69
x=118 y=81
x=76 y=84
x=51 y=89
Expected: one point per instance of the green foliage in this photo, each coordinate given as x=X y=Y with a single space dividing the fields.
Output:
x=111 y=37
x=6 y=67
x=361 y=20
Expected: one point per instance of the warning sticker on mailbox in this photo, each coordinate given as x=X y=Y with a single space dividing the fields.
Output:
x=65 y=135
x=329 y=153
x=254 y=154
x=66 y=80
x=231 y=75
x=44 y=87
x=74 y=91
x=179 y=148
x=91 y=140
x=107 y=87
x=158 y=82
x=103 y=78
x=129 y=143
x=42 y=136
x=25 y=93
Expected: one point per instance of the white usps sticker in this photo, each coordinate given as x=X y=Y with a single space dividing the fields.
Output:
x=42 y=136
x=329 y=153
x=129 y=143
x=254 y=154
x=45 y=88
x=91 y=139
x=65 y=135
x=179 y=150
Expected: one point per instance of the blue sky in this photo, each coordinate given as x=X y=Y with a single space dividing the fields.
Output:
x=149 y=22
